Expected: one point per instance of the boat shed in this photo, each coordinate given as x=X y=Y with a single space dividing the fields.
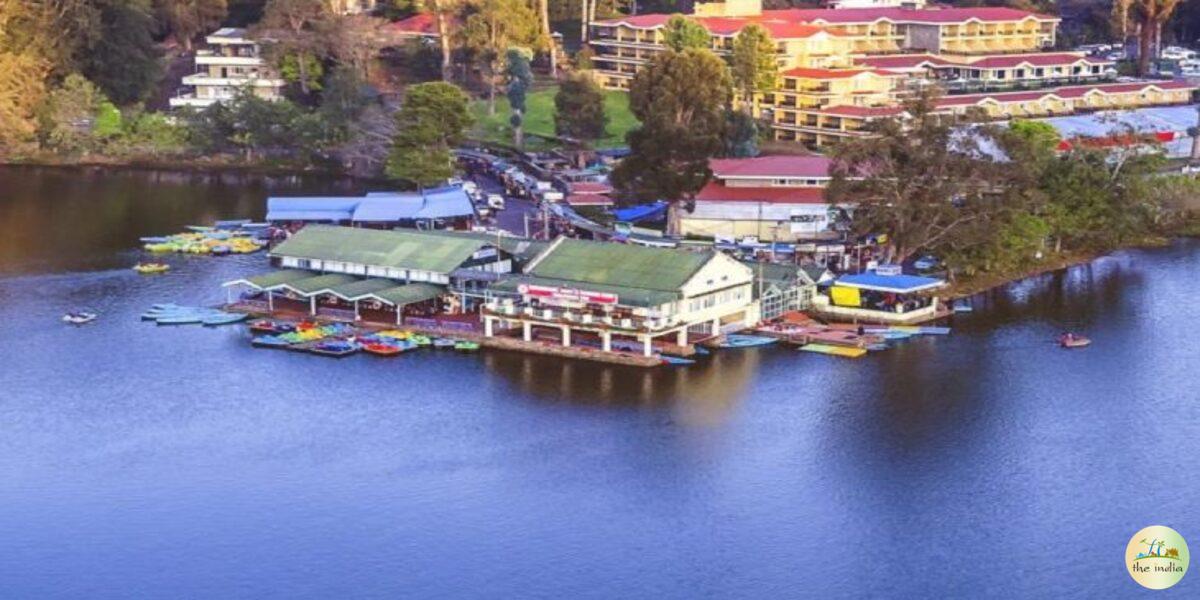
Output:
x=331 y=271
x=882 y=295
x=598 y=291
x=448 y=206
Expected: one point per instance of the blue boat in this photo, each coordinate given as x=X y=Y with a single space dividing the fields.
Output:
x=181 y=319
x=739 y=340
x=675 y=360
x=223 y=318
x=269 y=341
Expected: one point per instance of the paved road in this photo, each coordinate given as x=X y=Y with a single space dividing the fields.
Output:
x=512 y=218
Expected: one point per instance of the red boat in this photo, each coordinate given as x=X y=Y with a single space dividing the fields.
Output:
x=381 y=349
x=269 y=326
x=1071 y=340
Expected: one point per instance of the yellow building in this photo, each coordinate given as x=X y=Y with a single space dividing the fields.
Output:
x=842 y=67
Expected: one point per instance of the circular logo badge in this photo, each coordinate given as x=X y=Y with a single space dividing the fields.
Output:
x=1157 y=557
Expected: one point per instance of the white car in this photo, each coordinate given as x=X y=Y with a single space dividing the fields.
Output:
x=470 y=187
x=495 y=201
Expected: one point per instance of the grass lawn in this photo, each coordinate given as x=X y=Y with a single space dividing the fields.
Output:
x=539 y=118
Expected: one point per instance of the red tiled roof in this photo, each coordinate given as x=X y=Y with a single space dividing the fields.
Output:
x=933 y=16
x=418 y=24
x=716 y=192
x=807 y=73
x=771 y=166
x=795 y=22
x=861 y=111
x=590 y=187
x=904 y=61
x=1038 y=60
x=589 y=200
x=1076 y=91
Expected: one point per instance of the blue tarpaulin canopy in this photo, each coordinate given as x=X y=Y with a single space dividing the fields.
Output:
x=375 y=207
x=641 y=212
x=896 y=284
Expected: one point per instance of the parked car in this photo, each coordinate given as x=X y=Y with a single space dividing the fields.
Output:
x=495 y=201
x=926 y=263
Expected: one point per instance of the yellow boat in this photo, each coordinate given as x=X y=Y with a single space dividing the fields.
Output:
x=846 y=351
x=151 y=268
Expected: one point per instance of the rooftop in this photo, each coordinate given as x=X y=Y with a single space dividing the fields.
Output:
x=397 y=249
x=897 y=284
x=619 y=265
x=770 y=167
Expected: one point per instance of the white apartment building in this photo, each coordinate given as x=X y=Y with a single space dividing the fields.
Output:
x=232 y=62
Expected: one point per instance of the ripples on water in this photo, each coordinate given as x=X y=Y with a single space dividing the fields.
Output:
x=145 y=461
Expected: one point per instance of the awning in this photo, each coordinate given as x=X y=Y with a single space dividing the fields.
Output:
x=412 y=293
x=272 y=279
x=361 y=288
x=315 y=285
x=896 y=284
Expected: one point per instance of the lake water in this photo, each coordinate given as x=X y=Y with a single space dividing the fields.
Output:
x=139 y=461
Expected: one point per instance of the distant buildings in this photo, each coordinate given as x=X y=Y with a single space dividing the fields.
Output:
x=231 y=64
x=856 y=61
x=776 y=198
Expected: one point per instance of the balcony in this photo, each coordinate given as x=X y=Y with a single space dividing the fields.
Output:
x=599 y=319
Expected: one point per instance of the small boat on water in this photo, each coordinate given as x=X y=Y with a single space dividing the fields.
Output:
x=466 y=346
x=269 y=341
x=675 y=360
x=1071 y=340
x=334 y=348
x=443 y=343
x=739 y=340
x=269 y=326
x=222 y=318
x=151 y=268
x=381 y=349
x=79 y=317
x=180 y=319
x=420 y=340
x=835 y=350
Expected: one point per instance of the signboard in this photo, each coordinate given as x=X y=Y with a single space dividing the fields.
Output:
x=565 y=295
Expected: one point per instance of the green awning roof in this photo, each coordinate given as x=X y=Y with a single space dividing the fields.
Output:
x=622 y=265
x=401 y=295
x=312 y=285
x=271 y=279
x=626 y=296
x=361 y=288
x=399 y=249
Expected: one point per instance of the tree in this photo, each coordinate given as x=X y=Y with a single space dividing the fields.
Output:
x=682 y=33
x=680 y=99
x=343 y=99
x=754 y=64
x=67 y=119
x=124 y=61
x=579 y=109
x=520 y=79
x=915 y=181
x=547 y=36
x=24 y=68
x=1151 y=14
x=740 y=138
x=186 y=19
x=430 y=123
x=355 y=41
x=491 y=27
x=298 y=31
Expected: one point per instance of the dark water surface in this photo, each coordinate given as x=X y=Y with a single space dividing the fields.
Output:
x=139 y=461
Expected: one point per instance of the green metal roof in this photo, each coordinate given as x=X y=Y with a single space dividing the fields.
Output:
x=310 y=285
x=398 y=249
x=408 y=294
x=361 y=288
x=619 y=265
x=272 y=279
x=626 y=296
x=522 y=248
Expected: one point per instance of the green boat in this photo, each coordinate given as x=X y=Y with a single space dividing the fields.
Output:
x=465 y=346
x=421 y=340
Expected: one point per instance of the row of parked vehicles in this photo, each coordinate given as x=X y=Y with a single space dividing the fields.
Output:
x=484 y=203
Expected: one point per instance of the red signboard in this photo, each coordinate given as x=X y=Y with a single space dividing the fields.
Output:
x=562 y=294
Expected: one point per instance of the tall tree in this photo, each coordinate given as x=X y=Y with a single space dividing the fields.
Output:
x=682 y=33
x=184 y=20
x=754 y=64
x=520 y=79
x=298 y=31
x=124 y=61
x=491 y=27
x=680 y=99
x=432 y=120
x=24 y=68
x=548 y=36
x=1151 y=14
x=66 y=120
x=914 y=181
x=579 y=109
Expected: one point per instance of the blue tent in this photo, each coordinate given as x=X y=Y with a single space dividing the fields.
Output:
x=641 y=212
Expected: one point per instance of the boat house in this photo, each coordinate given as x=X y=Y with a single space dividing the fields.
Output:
x=436 y=208
x=781 y=288
x=375 y=275
x=616 y=296
x=882 y=295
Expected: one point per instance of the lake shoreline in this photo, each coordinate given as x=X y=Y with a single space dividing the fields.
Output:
x=196 y=165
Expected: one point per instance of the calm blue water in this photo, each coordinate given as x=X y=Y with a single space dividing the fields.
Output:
x=139 y=461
